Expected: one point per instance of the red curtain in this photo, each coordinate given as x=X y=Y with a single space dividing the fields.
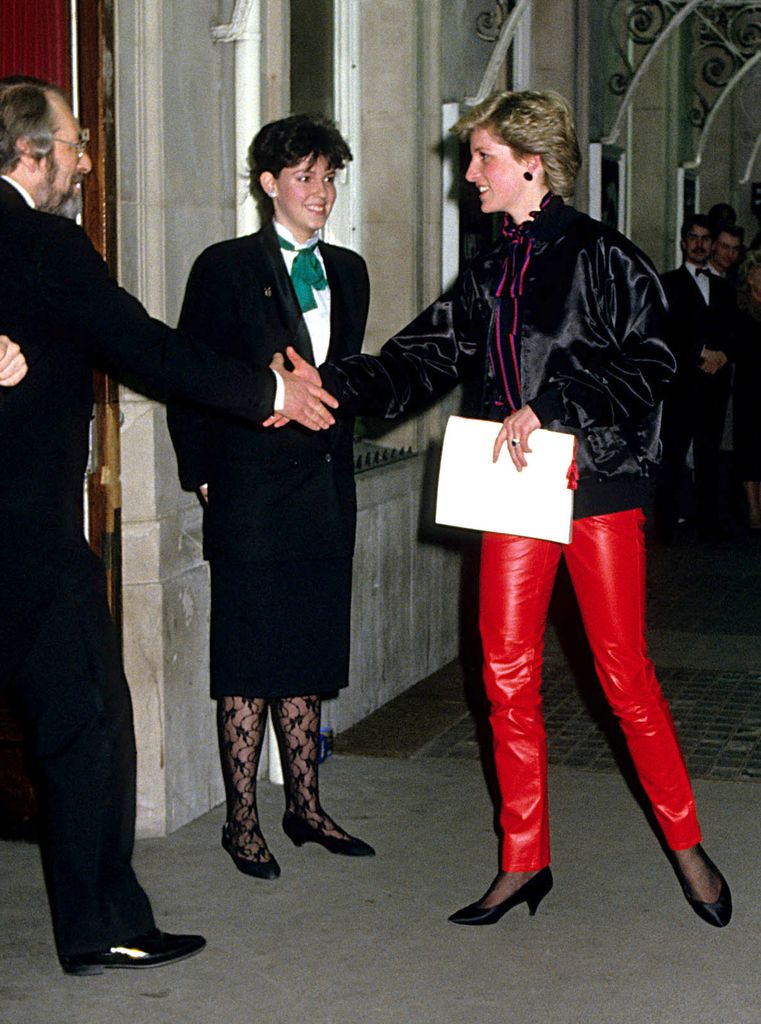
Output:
x=35 y=39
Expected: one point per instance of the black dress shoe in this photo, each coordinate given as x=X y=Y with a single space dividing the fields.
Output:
x=531 y=893
x=154 y=949
x=299 y=831
x=255 y=868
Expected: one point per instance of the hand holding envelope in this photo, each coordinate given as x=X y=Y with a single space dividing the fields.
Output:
x=478 y=494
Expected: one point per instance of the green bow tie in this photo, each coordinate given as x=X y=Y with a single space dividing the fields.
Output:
x=306 y=273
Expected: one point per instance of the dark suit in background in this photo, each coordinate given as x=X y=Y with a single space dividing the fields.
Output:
x=57 y=648
x=280 y=519
x=696 y=405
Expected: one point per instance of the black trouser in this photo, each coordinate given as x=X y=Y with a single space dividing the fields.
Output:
x=693 y=414
x=72 y=685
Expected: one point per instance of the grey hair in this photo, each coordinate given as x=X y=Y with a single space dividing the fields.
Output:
x=25 y=113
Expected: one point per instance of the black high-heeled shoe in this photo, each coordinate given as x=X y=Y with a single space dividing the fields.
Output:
x=299 y=831
x=531 y=893
x=719 y=913
x=255 y=868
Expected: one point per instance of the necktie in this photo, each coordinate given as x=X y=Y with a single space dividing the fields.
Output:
x=306 y=273
x=702 y=270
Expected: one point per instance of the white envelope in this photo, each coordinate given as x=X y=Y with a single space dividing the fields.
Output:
x=478 y=494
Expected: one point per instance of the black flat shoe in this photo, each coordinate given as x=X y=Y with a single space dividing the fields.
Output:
x=300 y=831
x=154 y=949
x=719 y=913
x=255 y=868
x=531 y=893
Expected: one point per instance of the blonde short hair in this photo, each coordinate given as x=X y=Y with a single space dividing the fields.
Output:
x=531 y=123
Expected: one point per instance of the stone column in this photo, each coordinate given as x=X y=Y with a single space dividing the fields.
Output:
x=175 y=170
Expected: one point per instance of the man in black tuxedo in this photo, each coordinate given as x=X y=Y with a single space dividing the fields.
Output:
x=703 y=324
x=57 y=648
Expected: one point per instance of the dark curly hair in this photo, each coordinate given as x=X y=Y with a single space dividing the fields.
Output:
x=696 y=220
x=285 y=143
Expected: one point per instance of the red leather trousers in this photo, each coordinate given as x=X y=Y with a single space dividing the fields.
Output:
x=606 y=562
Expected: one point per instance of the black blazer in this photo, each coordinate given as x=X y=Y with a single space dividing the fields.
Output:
x=693 y=324
x=282 y=494
x=59 y=302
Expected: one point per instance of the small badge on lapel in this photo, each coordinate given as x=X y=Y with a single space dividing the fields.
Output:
x=268 y=292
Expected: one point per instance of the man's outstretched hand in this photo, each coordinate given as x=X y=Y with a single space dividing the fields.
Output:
x=12 y=362
x=306 y=400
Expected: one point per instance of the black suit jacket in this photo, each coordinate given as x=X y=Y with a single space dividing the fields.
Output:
x=695 y=324
x=282 y=494
x=58 y=301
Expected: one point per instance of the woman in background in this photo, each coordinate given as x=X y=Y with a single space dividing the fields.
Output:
x=279 y=505
x=747 y=390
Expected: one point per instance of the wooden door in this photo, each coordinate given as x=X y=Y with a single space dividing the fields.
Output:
x=42 y=39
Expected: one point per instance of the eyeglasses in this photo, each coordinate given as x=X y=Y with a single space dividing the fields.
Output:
x=80 y=145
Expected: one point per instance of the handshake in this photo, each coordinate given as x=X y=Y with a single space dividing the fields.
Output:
x=305 y=401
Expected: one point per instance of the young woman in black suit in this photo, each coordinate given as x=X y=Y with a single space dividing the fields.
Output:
x=279 y=505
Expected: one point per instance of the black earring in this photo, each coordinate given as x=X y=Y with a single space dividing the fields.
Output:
x=528 y=175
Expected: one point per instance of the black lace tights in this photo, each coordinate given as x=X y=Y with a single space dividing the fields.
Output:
x=241 y=722
x=240 y=726
x=298 y=726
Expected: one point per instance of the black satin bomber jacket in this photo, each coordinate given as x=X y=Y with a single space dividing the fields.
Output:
x=593 y=352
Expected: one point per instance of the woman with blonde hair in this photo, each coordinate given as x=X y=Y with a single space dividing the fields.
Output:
x=564 y=323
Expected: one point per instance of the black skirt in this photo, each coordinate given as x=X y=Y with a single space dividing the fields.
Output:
x=280 y=629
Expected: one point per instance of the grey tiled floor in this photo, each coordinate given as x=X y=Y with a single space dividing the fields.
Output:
x=717 y=715
x=367 y=941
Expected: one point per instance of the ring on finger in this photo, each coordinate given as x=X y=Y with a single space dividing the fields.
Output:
x=514 y=442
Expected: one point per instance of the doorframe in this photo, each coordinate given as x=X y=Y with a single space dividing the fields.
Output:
x=93 y=46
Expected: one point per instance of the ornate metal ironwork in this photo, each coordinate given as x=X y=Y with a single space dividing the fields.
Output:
x=368 y=455
x=642 y=23
x=489 y=23
x=727 y=38
x=504 y=22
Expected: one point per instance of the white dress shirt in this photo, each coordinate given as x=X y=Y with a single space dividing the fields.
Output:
x=701 y=280
x=317 y=320
x=20 y=189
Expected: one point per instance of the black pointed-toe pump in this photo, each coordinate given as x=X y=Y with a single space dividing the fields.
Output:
x=531 y=893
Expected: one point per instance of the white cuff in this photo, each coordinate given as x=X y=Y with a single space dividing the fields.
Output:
x=279 y=393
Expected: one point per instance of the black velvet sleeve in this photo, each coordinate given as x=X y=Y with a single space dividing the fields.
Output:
x=423 y=361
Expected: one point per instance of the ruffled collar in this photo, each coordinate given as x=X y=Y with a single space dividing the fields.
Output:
x=539 y=219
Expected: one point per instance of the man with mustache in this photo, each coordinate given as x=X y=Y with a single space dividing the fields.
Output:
x=702 y=318
x=57 y=648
